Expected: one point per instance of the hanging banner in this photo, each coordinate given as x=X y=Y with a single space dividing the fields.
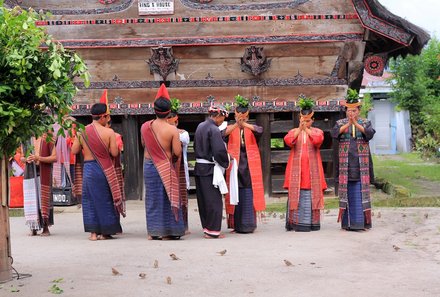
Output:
x=154 y=7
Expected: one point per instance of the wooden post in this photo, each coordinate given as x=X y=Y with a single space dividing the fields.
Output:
x=263 y=120
x=132 y=161
x=5 y=246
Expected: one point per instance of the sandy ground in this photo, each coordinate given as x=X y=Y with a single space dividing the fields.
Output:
x=330 y=262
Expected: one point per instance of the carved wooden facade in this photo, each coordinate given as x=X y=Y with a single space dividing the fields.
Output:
x=312 y=47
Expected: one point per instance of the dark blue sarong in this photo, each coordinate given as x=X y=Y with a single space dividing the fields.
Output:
x=244 y=213
x=160 y=218
x=354 y=217
x=99 y=213
x=304 y=219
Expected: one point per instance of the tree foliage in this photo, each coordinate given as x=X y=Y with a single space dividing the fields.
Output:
x=367 y=105
x=416 y=88
x=36 y=78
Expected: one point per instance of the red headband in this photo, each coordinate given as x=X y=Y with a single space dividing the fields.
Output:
x=217 y=109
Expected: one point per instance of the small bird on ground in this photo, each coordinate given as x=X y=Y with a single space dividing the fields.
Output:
x=287 y=262
x=222 y=253
x=174 y=257
x=168 y=280
x=395 y=247
x=115 y=272
x=142 y=275
x=403 y=215
x=327 y=211
x=426 y=215
x=379 y=215
x=156 y=264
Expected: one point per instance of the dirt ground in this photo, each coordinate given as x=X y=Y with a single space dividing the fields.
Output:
x=400 y=256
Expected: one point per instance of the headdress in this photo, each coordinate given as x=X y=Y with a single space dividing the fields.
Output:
x=162 y=92
x=175 y=107
x=242 y=105
x=104 y=100
x=162 y=104
x=98 y=109
x=306 y=104
x=219 y=109
x=352 y=99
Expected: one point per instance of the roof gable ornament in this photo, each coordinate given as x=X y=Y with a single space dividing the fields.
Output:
x=375 y=64
x=162 y=61
x=254 y=61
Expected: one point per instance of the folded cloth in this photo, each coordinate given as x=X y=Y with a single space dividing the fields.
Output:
x=233 y=183
x=30 y=202
x=218 y=179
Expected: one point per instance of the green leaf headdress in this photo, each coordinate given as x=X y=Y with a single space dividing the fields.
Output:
x=306 y=104
x=242 y=104
x=352 y=99
x=175 y=105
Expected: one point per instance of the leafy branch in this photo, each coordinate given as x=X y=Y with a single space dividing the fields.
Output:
x=36 y=84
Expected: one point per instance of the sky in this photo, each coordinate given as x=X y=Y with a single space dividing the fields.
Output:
x=423 y=13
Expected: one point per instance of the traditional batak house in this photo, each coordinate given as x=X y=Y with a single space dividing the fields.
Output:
x=269 y=51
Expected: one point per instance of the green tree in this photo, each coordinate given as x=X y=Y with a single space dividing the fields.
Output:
x=33 y=80
x=416 y=88
x=36 y=89
x=367 y=105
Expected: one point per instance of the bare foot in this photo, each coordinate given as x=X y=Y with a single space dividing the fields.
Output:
x=33 y=233
x=45 y=233
x=170 y=237
x=232 y=231
x=214 y=237
x=187 y=232
x=93 y=237
x=105 y=237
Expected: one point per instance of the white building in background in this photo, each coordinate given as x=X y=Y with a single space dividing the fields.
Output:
x=393 y=128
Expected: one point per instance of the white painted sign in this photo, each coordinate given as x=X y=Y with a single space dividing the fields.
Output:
x=149 y=7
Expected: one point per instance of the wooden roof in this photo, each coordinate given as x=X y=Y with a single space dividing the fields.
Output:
x=408 y=38
x=374 y=16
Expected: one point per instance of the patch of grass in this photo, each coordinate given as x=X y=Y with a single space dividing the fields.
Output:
x=55 y=289
x=276 y=207
x=408 y=202
x=16 y=212
x=407 y=170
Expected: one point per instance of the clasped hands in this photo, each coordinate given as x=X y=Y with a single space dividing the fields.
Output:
x=31 y=158
x=240 y=120
x=303 y=125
